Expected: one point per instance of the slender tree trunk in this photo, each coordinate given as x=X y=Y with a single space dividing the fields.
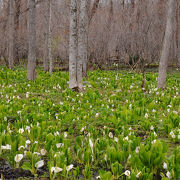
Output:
x=82 y=43
x=85 y=24
x=31 y=74
x=122 y=3
x=87 y=19
x=16 y=34
x=94 y=8
x=178 y=32
x=166 y=44
x=45 y=35
x=73 y=46
x=11 y=34
x=50 y=39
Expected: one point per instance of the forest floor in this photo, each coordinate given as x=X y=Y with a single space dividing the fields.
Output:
x=112 y=130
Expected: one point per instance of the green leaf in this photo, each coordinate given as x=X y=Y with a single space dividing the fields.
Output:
x=27 y=166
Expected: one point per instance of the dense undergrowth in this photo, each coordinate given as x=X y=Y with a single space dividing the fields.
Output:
x=112 y=130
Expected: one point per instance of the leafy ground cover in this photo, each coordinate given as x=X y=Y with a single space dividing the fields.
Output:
x=112 y=130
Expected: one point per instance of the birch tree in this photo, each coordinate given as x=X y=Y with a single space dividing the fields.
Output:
x=11 y=34
x=50 y=38
x=31 y=74
x=94 y=8
x=73 y=46
x=17 y=12
x=78 y=43
x=166 y=44
x=85 y=18
x=82 y=42
x=45 y=34
x=178 y=32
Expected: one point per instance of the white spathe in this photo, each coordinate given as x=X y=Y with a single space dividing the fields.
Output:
x=18 y=158
x=43 y=152
x=68 y=168
x=56 y=170
x=7 y=147
x=127 y=173
x=39 y=164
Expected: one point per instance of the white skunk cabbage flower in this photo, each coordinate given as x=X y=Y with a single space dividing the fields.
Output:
x=56 y=170
x=21 y=131
x=39 y=164
x=127 y=173
x=68 y=168
x=7 y=147
x=18 y=157
x=91 y=144
x=165 y=165
x=43 y=152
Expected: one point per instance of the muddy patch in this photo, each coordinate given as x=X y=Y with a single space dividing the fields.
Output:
x=7 y=172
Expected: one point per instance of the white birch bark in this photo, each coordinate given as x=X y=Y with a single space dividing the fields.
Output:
x=31 y=74
x=87 y=19
x=11 y=34
x=82 y=42
x=166 y=44
x=178 y=32
x=17 y=12
x=50 y=39
x=73 y=46
x=94 y=8
x=45 y=35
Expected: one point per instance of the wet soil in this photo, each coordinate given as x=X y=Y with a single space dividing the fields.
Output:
x=9 y=173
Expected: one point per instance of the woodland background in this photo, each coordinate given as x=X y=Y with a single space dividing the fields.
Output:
x=118 y=31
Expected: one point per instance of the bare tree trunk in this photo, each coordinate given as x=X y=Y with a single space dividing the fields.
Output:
x=166 y=44
x=45 y=35
x=50 y=39
x=31 y=74
x=82 y=43
x=93 y=10
x=11 y=34
x=16 y=34
x=86 y=30
x=73 y=46
x=122 y=3
x=178 y=31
